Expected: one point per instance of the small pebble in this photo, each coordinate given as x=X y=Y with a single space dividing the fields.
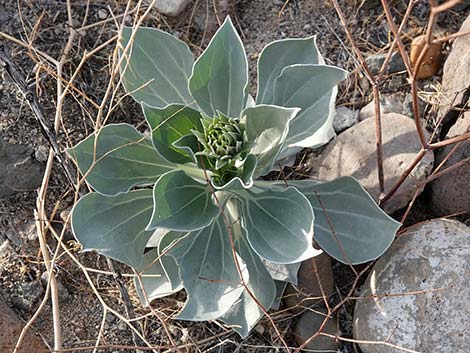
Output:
x=42 y=153
x=102 y=14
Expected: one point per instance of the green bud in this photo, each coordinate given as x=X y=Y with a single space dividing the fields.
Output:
x=223 y=143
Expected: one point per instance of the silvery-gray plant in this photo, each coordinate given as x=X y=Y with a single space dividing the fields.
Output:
x=185 y=204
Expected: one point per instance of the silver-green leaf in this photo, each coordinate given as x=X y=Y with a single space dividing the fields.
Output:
x=348 y=224
x=246 y=311
x=114 y=225
x=169 y=125
x=283 y=272
x=209 y=272
x=267 y=127
x=181 y=203
x=279 y=54
x=280 y=288
x=311 y=88
x=275 y=217
x=156 y=67
x=155 y=279
x=117 y=158
x=220 y=75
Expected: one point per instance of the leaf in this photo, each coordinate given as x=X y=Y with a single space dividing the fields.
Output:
x=279 y=54
x=325 y=132
x=267 y=127
x=220 y=75
x=189 y=144
x=155 y=278
x=248 y=170
x=250 y=101
x=283 y=272
x=156 y=68
x=311 y=88
x=273 y=218
x=320 y=137
x=114 y=226
x=181 y=203
x=280 y=288
x=245 y=180
x=209 y=273
x=123 y=159
x=246 y=312
x=157 y=235
x=169 y=264
x=169 y=125
x=360 y=226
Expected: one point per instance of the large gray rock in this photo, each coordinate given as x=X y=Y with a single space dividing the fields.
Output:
x=353 y=153
x=455 y=79
x=18 y=170
x=431 y=256
x=451 y=192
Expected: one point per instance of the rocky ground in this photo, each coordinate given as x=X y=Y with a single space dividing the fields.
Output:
x=429 y=261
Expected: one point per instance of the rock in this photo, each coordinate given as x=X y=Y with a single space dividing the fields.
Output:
x=10 y=329
x=397 y=83
x=462 y=5
x=388 y=104
x=27 y=231
x=309 y=323
x=171 y=7
x=28 y=295
x=345 y=118
x=42 y=153
x=368 y=4
x=18 y=170
x=408 y=106
x=65 y=217
x=307 y=286
x=353 y=153
x=395 y=64
x=63 y=291
x=429 y=256
x=102 y=14
x=450 y=193
x=395 y=103
x=432 y=59
x=5 y=248
x=455 y=82
x=6 y=252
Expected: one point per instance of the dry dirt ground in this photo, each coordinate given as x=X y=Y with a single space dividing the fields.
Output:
x=43 y=24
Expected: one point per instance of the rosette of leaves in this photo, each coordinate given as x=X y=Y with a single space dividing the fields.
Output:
x=184 y=203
